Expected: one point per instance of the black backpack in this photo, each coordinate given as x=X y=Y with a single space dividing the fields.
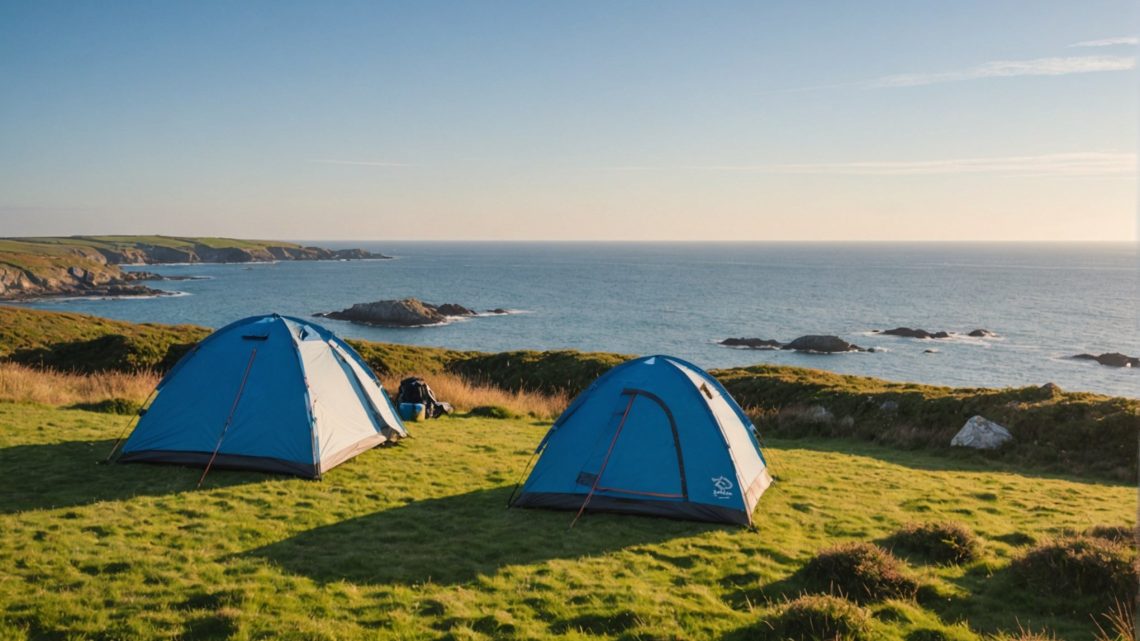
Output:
x=415 y=390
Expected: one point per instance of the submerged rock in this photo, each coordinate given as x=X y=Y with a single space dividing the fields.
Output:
x=914 y=333
x=981 y=433
x=752 y=343
x=821 y=344
x=1111 y=359
x=406 y=312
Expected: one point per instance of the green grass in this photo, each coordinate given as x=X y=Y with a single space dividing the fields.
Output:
x=413 y=542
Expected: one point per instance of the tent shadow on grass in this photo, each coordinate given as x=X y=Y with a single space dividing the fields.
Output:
x=455 y=539
x=69 y=474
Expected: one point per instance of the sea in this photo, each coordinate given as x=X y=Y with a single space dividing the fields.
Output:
x=1045 y=302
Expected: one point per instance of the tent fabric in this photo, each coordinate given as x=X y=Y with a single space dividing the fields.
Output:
x=656 y=436
x=270 y=393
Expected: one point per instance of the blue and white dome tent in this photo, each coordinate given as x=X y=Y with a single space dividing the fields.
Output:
x=656 y=436
x=269 y=393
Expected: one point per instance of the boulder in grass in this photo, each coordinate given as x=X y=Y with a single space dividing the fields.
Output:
x=981 y=433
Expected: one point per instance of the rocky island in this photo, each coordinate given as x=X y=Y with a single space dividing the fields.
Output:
x=405 y=312
x=89 y=265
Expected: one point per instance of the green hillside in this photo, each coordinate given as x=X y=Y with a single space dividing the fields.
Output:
x=1055 y=431
x=413 y=542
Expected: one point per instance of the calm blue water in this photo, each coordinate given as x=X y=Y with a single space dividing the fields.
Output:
x=1046 y=302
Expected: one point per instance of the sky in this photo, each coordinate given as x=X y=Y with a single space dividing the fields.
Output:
x=615 y=120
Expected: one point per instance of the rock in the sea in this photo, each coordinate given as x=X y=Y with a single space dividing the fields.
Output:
x=752 y=343
x=822 y=345
x=982 y=333
x=981 y=433
x=498 y=310
x=914 y=333
x=406 y=312
x=1111 y=359
x=451 y=309
x=930 y=351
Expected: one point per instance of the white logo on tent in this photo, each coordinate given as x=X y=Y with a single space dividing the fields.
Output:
x=722 y=487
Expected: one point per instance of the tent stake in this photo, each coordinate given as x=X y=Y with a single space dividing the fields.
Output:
x=131 y=420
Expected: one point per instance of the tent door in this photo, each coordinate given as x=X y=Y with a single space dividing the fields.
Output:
x=640 y=452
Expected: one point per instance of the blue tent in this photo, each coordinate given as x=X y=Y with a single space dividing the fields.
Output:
x=269 y=393
x=656 y=436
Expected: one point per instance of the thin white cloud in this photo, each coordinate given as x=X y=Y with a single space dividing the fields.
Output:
x=1064 y=164
x=1109 y=42
x=1012 y=68
x=360 y=163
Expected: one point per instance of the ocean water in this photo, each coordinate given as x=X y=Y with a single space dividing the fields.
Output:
x=1046 y=302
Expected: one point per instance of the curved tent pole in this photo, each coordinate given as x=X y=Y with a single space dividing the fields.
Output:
x=230 y=418
x=605 y=461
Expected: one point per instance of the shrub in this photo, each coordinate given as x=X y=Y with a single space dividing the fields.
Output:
x=1079 y=565
x=821 y=617
x=944 y=543
x=862 y=571
x=109 y=406
x=492 y=411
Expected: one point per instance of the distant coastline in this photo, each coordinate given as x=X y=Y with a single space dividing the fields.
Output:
x=89 y=266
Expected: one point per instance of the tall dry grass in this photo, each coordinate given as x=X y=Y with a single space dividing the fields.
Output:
x=466 y=396
x=24 y=384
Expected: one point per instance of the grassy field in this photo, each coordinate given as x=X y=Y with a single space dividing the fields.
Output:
x=413 y=542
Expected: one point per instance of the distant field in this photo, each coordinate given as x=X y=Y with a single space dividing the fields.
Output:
x=414 y=542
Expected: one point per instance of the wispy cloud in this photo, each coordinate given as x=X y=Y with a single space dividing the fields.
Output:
x=1064 y=164
x=359 y=163
x=1109 y=42
x=1012 y=68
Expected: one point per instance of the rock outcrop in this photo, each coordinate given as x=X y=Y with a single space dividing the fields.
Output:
x=752 y=343
x=819 y=344
x=981 y=433
x=914 y=333
x=405 y=312
x=1111 y=359
x=982 y=333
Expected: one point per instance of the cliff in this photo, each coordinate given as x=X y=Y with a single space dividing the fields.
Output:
x=89 y=265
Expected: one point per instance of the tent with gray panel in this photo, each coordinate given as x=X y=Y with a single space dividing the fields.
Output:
x=270 y=393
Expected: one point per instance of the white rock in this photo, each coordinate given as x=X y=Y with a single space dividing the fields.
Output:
x=981 y=433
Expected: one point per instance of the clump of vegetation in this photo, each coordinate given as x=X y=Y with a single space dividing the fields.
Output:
x=1024 y=634
x=1119 y=623
x=109 y=406
x=861 y=571
x=818 y=616
x=945 y=543
x=491 y=411
x=23 y=384
x=559 y=372
x=1079 y=566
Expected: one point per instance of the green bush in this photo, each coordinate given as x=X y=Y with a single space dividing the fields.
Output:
x=492 y=411
x=109 y=406
x=818 y=617
x=945 y=543
x=860 y=571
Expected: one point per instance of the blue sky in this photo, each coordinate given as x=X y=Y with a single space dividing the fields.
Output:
x=607 y=120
